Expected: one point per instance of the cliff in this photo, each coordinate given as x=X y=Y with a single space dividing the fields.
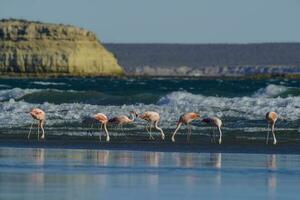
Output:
x=28 y=47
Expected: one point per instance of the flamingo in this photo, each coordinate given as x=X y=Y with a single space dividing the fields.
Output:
x=103 y=119
x=186 y=119
x=215 y=121
x=123 y=119
x=39 y=115
x=152 y=118
x=271 y=118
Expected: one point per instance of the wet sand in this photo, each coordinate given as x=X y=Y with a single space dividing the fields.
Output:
x=198 y=144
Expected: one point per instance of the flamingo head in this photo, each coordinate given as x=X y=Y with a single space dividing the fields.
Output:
x=31 y=113
x=134 y=113
x=197 y=116
x=95 y=116
x=206 y=120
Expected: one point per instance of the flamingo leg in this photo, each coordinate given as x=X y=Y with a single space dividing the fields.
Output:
x=212 y=135
x=107 y=135
x=161 y=131
x=38 y=131
x=220 y=137
x=274 y=138
x=30 y=130
x=189 y=133
x=43 y=131
x=91 y=130
x=122 y=129
x=100 y=133
x=124 y=132
x=150 y=134
x=177 y=128
x=267 y=141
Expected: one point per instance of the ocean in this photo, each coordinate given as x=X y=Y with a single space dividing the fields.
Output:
x=46 y=173
x=69 y=104
x=71 y=163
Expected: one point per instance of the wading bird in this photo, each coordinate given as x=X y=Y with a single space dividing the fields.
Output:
x=123 y=119
x=271 y=118
x=152 y=118
x=39 y=115
x=102 y=118
x=214 y=121
x=186 y=119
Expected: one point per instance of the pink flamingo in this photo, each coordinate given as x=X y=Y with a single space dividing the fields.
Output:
x=102 y=118
x=186 y=119
x=39 y=115
x=123 y=119
x=271 y=118
x=215 y=121
x=152 y=118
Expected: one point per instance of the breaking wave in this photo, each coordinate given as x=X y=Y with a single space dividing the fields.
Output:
x=239 y=107
x=73 y=107
x=47 y=83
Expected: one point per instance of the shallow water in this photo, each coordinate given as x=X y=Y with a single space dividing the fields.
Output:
x=28 y=173
x=70 y=102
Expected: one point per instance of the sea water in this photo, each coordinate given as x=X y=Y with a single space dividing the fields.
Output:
x=27 y=173
x=69 y=104
x=62 y=167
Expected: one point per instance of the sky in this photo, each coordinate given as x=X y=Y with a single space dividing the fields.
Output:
x=169 y=21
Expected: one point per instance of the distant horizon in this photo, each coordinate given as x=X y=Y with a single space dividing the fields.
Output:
x=157 y=43
x=169 y=21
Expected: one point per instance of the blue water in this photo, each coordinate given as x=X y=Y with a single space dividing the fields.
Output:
x=27 y=173
x=46 y=173
x=69 y=104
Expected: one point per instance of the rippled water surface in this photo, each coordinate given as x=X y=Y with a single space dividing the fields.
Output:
x=27 y=173
x=70 y=102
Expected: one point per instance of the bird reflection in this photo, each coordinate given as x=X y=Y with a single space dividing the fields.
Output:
x=185 y=160
x=152 y=158
x=39 y=156
x=272 y=165
x=102 y=157
x=216 y=160
x=37 y=179
x=124 y=158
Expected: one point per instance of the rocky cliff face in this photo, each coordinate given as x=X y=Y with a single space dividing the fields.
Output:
x=37 y=48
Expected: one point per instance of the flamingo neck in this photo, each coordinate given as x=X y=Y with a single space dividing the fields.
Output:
x=132 y=117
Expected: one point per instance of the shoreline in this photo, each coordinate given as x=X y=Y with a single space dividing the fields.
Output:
x=128 y=76
x=138 y=144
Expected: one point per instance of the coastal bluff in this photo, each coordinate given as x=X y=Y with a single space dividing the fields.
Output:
x=42 y=49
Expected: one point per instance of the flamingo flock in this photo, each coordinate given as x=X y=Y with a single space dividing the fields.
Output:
x=153 y=118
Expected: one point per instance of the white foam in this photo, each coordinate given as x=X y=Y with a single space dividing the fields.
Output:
x=18 y=93
x=237 y=112
x=15 y=93
x=47 y=83
x=238 y=107
x=270 y=91
x=4 y=86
